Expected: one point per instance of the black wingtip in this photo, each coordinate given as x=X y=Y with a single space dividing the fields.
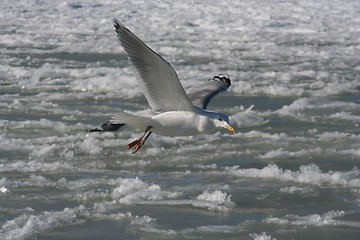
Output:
x=116 y=23
x=224 y=78
x=119 y=27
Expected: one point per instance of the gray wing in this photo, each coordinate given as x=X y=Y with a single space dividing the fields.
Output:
x=158 y=80
x=201 y=95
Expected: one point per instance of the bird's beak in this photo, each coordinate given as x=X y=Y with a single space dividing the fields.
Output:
x=230 y=128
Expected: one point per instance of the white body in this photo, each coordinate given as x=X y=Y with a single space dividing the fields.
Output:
x=182 y=123
x=178 y=123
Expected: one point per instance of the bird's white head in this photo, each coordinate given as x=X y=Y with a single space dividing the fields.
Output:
x=222 y=121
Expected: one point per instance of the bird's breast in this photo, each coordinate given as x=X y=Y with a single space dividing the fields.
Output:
x=182 y=123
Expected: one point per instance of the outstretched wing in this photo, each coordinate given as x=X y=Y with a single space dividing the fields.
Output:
x=201 y=95
x=158 y=80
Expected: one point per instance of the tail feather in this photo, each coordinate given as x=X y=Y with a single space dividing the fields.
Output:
x=106 y=127
x=132 y=120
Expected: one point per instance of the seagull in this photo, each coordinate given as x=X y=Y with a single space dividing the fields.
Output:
x=179 y=113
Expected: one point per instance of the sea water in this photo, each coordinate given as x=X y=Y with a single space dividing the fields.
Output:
x=289 y=172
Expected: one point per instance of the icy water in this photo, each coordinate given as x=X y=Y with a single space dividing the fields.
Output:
x=289 y=172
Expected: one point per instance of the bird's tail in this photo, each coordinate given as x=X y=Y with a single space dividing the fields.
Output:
x=135 y=121
x=107 y=127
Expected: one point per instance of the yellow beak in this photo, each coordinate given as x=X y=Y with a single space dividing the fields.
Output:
x=230 y=128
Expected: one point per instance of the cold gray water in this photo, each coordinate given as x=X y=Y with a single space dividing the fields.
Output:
x=289 y=172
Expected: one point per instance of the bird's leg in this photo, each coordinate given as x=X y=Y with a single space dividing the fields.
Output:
x=133 y=143
x=140 y=141
x=138 y=146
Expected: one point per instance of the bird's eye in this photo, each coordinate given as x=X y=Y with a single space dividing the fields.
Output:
x=220 y=119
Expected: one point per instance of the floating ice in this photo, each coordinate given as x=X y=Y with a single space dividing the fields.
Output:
x=338 y=136
x=281 y=153
x=33 y=166
x=216 y=200
x=212 y=229
x=91 y=145
x=345 y=116
x=3 y=190
x=27 y=226
x=296 y=190
x=297 y=108
x=262 y=236
x=135 y=190
x=326 y=219
x=247 y=118
x=62 y=71
x=145 y=224
x=309 y=174
x=352 y=151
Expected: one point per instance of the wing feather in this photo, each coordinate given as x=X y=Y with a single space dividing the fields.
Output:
x=157 y=79
x=201 y=95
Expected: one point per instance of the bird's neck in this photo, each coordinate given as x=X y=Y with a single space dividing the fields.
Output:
x=204 y=112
